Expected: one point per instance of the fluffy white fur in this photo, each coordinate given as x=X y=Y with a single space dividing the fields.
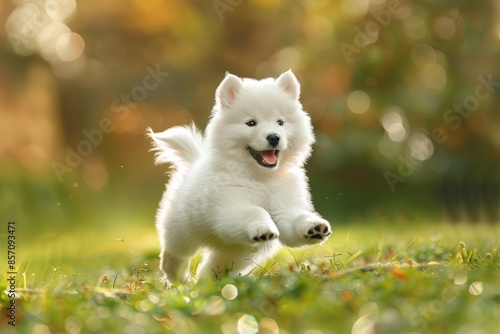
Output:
x=221 y=198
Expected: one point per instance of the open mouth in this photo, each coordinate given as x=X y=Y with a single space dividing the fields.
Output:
x=268 y=158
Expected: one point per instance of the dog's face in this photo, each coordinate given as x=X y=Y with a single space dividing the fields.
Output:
x=260 y=123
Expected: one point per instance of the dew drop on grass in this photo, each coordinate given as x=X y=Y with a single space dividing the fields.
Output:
x=229 y=291
x=476 y=288
x=247 y=324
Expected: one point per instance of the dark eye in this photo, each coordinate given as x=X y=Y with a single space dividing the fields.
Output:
x=251 y=123
x=280 y=122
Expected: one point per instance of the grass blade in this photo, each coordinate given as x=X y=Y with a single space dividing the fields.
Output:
x=379 y=249
x=403 y=250
x=353 y=256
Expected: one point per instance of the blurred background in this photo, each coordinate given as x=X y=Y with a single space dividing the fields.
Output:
x=403 y=96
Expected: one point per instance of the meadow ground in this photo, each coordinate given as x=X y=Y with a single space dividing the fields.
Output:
x=368 y=278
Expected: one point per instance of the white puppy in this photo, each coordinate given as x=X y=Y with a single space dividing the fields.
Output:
x=241 y=190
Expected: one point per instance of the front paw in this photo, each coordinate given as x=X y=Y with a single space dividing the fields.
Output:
x=317 y=231
x=264 y=233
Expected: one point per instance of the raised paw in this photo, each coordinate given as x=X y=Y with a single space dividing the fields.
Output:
x=265 y=237
x=318 y=231
x=265 y=234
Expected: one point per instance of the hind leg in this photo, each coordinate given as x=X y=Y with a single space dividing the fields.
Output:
x=242 y=261
x=216 y=263
x=176 y=268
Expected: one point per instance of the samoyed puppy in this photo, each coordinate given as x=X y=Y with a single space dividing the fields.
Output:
x=239 y=191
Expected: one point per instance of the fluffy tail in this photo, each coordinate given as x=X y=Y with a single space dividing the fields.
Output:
x=179 y=146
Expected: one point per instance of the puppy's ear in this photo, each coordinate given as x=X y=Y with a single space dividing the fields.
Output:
x=228 y=89
x=289 y=83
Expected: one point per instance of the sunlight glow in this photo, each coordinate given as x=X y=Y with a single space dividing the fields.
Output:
x=40 y=26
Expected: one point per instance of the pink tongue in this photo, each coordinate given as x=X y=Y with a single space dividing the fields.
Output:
x=268 y=157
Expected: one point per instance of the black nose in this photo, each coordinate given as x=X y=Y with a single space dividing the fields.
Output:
x=273 y=139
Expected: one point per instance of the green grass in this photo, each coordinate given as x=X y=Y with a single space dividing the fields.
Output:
x=368 y=278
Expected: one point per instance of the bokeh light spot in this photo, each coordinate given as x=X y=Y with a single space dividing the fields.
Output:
x=72 y=324
x=286 y=58
x=421 y=147
x=39 y=26
x=423 y=54
x=247 y=324
x=444 y=28
x=358 y=102
x=229 y=291
x=460 y=279
x=268 y=326
x=48 y=37
x=215 y=306
x=476 y=288
x=33 y=156
x=392 y=122
x=70 y=46
x=433 y=76
x=355 y=8
x=40 y=329
x=415 y=27
x=396 y=132
x=368 y=316
x=60 y=10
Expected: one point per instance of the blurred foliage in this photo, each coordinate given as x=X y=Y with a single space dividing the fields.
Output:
x=379 y=78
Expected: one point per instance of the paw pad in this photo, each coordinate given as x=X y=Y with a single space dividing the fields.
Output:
x=319 y=231
x=265 y=237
